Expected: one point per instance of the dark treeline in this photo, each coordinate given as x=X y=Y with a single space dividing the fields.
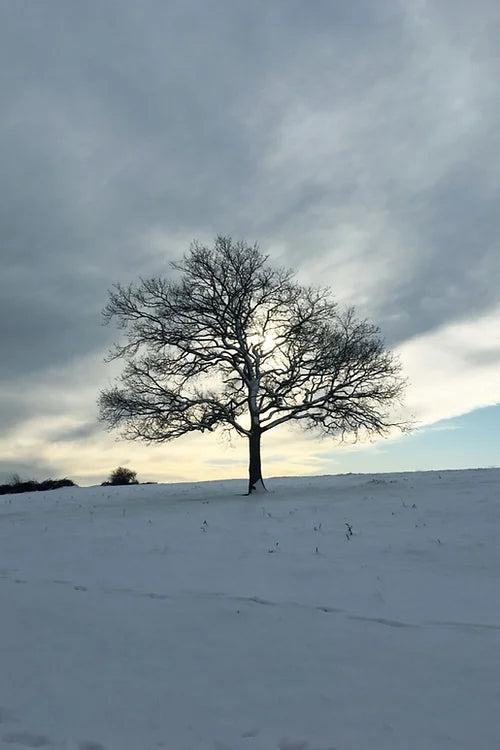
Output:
x=119 y=476
x=31 y=485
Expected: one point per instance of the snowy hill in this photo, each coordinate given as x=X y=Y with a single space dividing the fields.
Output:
x=357 y=612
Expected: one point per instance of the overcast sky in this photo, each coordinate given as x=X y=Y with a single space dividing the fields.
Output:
x=358 y=142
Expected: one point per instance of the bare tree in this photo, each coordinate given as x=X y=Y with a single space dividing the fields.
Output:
x=232 y=342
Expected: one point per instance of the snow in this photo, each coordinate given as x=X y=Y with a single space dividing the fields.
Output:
x=357 y=612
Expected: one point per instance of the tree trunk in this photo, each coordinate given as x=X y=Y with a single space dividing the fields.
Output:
x=255 y=483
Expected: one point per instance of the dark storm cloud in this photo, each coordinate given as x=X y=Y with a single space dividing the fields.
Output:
x=280 y=122
x=457 y=275
x=77 y=434
x=117 y=119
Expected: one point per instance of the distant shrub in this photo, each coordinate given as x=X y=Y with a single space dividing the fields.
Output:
x=121 y=475
x=17 y=485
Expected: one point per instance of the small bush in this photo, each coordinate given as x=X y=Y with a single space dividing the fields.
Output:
x=121 y=475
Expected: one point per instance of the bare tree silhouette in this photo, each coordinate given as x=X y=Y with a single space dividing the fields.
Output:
x=233 y=342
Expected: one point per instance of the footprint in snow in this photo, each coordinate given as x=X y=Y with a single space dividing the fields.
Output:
x=7 y=716
x=27 y=739
x=250 y=733
x=89 y=745
x=286 y=744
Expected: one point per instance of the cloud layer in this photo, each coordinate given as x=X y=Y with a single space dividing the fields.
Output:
x=357 y=142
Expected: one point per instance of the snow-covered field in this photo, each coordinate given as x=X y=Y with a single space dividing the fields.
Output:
x=356 y=612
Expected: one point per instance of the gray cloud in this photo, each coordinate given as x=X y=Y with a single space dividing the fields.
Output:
x=32 y=469
x=484 y=357
x=359 y=141
x=77 y=434
x=223 y=461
